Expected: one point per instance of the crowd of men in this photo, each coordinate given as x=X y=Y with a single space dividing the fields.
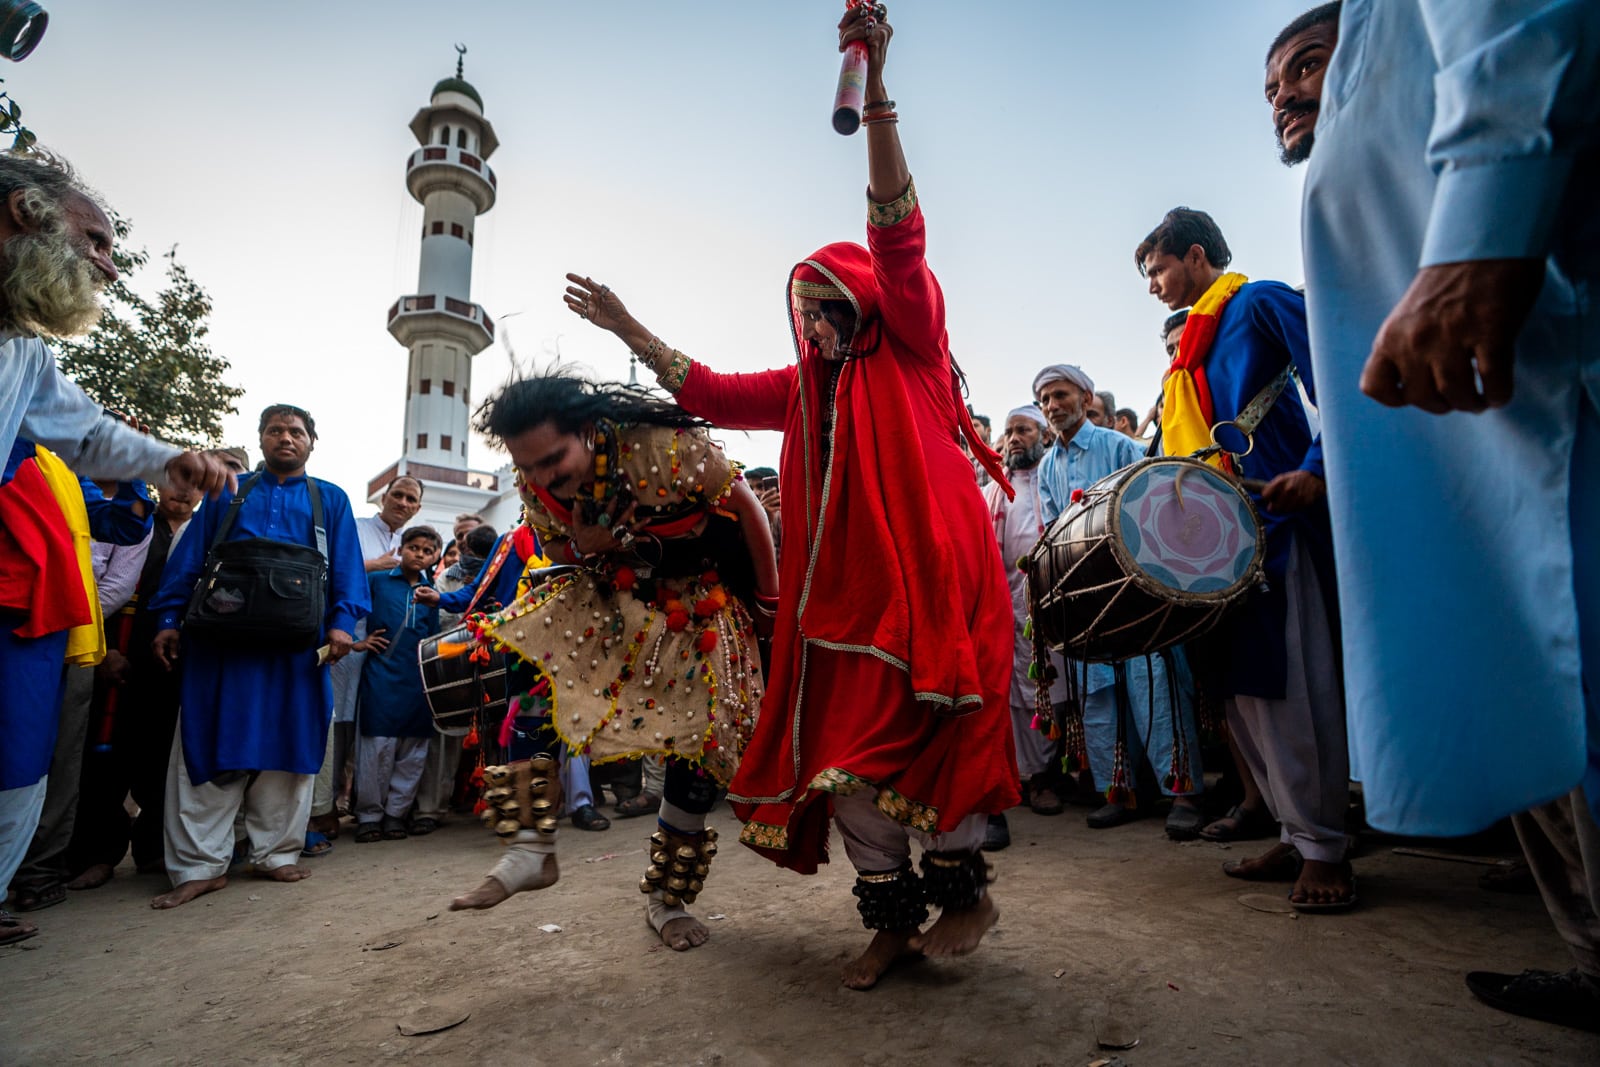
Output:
x=199 y=756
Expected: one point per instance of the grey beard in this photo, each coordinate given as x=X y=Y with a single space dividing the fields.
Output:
x=1021 y=461
x=49 y=286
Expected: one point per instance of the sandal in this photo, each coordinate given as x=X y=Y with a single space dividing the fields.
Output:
x=1284 y=867
x=40 y=898
x=13 y=929
x=642 y=804
x=588 y=817
x=1345 y=903
x=1241 y=824
x=317 y=844
x=393 y=829
x=368 y=832
x=423 y=825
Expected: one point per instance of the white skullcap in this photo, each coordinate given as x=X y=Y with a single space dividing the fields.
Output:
x=1031 y=411
x=1059 y=372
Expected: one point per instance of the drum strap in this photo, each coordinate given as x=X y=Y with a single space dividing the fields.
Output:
x=1252 y=414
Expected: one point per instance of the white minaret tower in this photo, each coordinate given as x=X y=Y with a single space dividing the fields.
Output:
x=439 y=324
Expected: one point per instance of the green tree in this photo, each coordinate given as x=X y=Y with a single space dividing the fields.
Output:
x=150 y=359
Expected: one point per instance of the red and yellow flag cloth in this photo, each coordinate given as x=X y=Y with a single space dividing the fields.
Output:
x=1187 y=413
x=45 y=564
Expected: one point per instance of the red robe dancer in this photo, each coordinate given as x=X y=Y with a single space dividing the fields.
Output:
x=891 y=658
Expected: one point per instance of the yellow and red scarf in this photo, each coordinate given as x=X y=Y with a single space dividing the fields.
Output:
x=1188 y=414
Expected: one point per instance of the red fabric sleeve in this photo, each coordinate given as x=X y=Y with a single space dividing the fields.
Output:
x=909 y=298
x=758 y=401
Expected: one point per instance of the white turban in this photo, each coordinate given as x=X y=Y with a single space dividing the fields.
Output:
x=1031 y=411
x=1060 y=372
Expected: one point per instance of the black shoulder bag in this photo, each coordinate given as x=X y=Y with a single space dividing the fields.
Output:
x=270 y=593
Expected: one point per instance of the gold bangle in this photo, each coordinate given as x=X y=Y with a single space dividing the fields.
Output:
x=675 y=373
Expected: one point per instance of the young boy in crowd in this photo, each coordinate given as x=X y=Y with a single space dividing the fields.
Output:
x=394 y=725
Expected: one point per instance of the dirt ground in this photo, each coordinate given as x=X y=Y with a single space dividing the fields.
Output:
x=1118 y=934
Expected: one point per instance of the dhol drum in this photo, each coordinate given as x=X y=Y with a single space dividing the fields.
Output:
x=459 y=687
x=1144 y=559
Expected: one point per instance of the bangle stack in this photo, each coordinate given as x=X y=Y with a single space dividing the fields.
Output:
x=670 y=366
x=879 y=111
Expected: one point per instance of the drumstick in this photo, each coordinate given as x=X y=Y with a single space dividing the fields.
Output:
x=1253 y=485
x=852 y=90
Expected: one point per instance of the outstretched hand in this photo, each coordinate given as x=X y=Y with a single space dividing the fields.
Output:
x=588 y=299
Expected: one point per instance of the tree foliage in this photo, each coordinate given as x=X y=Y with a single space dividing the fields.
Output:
x=150 y=359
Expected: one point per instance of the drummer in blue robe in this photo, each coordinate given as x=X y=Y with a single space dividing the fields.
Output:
x=1128 y=708
x=254 y=722
x=393 y=724
x=515 y=556
x=1243 y=355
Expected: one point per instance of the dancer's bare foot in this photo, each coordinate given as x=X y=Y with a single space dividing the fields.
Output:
x=684 y=933
x=485 y=896
x=518 y=871
x=888 y=947
x=289 y=872
x=957 y=933
x=184 y=892
x=93 y=877
x=1328 y=885
x=326 y=825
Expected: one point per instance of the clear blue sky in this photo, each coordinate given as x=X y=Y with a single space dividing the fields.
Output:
x=680 y=153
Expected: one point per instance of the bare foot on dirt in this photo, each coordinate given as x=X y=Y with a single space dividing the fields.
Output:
x=684 y=933
x=888 y=947
x=187 y=891
x=1323 y=883
x=289 y=872
x=957 y=933
x=485 y=896
x=94 y=877
x=326 y=825
x=517 y=872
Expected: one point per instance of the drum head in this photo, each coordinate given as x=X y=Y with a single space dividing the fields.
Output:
x=1186 y=528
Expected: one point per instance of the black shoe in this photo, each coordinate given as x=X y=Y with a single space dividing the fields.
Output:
x=1184 y=823
x=997 y=835
x=1111 y=815
x=1570 y=999
x=588 y=817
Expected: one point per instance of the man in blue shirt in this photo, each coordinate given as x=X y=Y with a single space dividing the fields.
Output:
x=1285 y=700
x=1451 y=238
x=254 y=722
x=1117 y=744
x=393 y=724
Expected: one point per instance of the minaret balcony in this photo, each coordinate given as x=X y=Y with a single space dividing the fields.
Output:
x=436 y=166
x=431 y=315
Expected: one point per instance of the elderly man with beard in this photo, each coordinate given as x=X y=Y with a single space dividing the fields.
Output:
x=380 y=545
x=1118 y=740
x=55 y=258
x=1018 y=522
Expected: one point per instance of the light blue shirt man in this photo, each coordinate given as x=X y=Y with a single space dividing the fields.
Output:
x=1150 y=726
x=1469 y=577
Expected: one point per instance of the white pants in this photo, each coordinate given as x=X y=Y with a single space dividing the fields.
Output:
x=439 y=776
x=1295 y=747
x=388 y=772
x=876 y=843
x=19 y=817
x=197 y=821
x=1034 y=749
x=575 y=782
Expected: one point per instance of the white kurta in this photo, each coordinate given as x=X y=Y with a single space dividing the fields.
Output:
x=1466 y=544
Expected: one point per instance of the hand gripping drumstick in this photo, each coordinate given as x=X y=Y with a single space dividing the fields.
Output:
x=852 y=91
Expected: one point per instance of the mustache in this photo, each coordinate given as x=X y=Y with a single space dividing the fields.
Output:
x=1292 y=112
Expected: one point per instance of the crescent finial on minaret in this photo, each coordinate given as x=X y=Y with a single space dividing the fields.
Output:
x=461 y=52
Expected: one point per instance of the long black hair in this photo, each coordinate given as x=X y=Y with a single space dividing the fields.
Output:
x=570 y=403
